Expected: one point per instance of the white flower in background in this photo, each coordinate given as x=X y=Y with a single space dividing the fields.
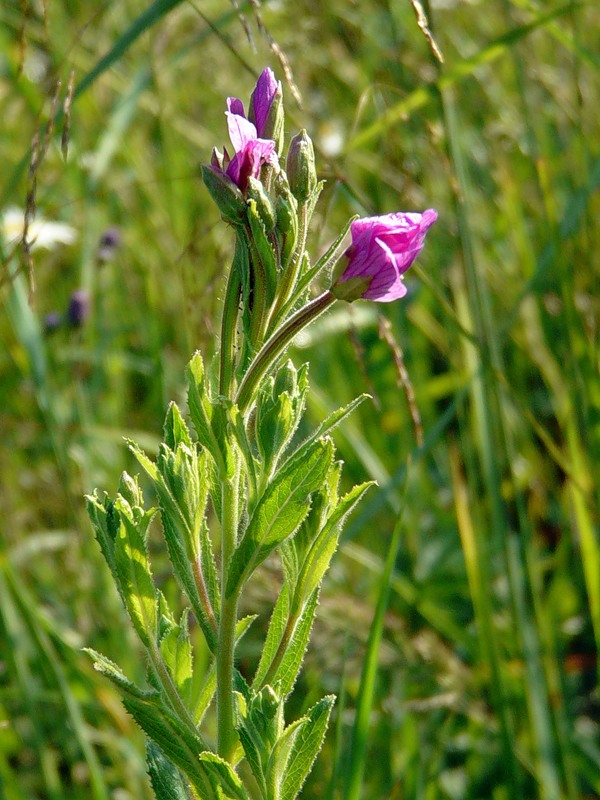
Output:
x=41 y=232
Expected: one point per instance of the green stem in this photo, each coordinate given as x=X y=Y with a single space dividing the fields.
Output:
x=164 y=676
x=274 y=346
x=281 y=651
x=259 y=294
x=225 y=649
x=290 y=275
x=228 y=325
x=203 y=594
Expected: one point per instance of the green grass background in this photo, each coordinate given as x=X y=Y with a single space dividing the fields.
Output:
x=459 y=625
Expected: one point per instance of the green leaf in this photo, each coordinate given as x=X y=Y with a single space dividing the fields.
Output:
x=182 y=484
x=306 y=746
x=275 y=631
x=206 y=694
x=183 y=569
x=133 y=570
x=259 y=723
x=221 y=774
x=318 y=557
x=147 y=464
x=176 y=651
x=175 y=430
x=324 y=428
x=280 y=511
x=129 y=488
x=178 y=742
x=279 y=408
x=274 y=426
x=289 y=667
x=183 y=492
x=113 y=672
x=221 y=423
x=209 y=570
x=323 y=502
x=238 y=428
x=167 y=781
x=105 y=522
x=202 y=412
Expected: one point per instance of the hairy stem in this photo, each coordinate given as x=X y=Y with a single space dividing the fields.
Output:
x=228 y=327
x=226 y=735
x=290 y=275
x=203 y=594
x=275 y=345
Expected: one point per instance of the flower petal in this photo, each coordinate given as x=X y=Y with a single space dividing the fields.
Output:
x=262 y=98
x=240 y=130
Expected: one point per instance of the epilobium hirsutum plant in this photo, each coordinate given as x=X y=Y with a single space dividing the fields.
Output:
x=237 y=486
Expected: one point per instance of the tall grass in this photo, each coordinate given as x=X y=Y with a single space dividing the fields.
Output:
x=461 y=622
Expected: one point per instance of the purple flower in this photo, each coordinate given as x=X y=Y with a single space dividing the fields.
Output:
x=256 y=140
x=79 y=308
x=382 y=249
x=250 y=151
x=109 y=243
x=52 y=322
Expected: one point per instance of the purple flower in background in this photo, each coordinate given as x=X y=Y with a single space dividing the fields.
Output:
x=382 y=249
x=109 y=243
x=79 y=308
x=52 y=322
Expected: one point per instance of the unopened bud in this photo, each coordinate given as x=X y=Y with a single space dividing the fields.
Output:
x=266 y=109
x=301 y=170
x=225 y=193
x=285 y=380
x=256 y=191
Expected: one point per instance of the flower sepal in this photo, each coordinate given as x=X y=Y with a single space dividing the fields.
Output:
x=228 y=197
x=264 y=206
x=352 y=289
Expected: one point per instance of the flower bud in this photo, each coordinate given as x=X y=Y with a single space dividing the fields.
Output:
x=301 y=171
x=225 y=193
x=285 y=380
x=256 y=191
x=266 y=109
x=287 y=227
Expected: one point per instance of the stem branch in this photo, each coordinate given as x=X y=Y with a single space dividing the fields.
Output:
x=277 y=343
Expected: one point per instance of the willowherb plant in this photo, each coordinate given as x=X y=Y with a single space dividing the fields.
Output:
x=266 y=492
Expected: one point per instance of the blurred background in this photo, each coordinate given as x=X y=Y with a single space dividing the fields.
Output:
x=484 y=428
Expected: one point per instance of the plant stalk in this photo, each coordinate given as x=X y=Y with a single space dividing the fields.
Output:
x=274 y=346
x=226 y=736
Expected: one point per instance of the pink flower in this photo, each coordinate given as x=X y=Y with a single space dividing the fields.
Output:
x=250 y=151
x=382 y=249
